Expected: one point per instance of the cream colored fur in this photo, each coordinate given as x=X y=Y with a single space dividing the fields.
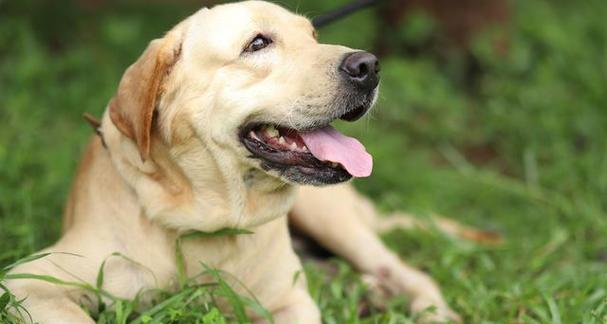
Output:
x=173 y=163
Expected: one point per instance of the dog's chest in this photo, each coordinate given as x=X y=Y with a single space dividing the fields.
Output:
x=248 y=257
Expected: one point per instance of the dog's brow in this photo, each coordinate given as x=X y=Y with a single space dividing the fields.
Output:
x=306 y=24
x=311 y=28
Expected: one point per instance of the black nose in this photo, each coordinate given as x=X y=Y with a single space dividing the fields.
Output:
x=362 y=69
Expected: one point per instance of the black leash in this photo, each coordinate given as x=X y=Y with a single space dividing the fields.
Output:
x=341 y=12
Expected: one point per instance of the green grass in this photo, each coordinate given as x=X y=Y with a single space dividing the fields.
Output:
x=521 y=151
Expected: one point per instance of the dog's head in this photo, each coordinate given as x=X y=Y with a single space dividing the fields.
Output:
x=250 y=84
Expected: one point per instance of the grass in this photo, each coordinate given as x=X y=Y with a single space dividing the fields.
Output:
x=521 y=151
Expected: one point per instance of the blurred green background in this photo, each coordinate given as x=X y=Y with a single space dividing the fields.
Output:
x=503 y=128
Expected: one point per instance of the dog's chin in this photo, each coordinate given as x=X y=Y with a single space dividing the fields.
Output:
x=282 y=152
x=306 y=175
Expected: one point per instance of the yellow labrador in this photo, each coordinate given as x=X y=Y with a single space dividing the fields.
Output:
x=214 y=127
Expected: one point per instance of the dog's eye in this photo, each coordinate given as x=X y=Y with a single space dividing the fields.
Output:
x=258 y=43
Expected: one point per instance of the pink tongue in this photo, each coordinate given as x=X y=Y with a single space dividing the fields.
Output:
x=328 y=144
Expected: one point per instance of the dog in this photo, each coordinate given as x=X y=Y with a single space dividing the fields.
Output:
x=224 y=123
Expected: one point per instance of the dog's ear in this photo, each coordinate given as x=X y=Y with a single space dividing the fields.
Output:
x=132 y=109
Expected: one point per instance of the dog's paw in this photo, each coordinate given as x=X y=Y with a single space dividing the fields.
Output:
x=427 y=309
x=433 y=311
x=377 y=294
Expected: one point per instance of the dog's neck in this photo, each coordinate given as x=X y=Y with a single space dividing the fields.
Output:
x=193 y=186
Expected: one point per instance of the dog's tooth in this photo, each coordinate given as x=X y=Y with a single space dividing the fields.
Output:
x=294 y=146
x=281 y=140
x=253 y=135
x=271 y=131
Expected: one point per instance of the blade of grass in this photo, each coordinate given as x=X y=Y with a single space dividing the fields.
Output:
x=159 y=307
x=554 y=310
x=23 y=260
x=255 y=304
x=4 y=300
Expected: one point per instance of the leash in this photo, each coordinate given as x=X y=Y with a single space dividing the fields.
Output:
x=343 y=11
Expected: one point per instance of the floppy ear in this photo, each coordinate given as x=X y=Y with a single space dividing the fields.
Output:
x=132 y=109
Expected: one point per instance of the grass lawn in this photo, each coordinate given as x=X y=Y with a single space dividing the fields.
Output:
x=521 y=151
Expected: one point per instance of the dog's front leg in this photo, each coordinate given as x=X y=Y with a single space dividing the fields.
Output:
x=47 y=304
x=299 y=308
x=342 y=221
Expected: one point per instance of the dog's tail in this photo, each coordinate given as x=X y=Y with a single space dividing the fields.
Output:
x=448 y=226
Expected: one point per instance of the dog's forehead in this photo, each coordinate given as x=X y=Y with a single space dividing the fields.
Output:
x=258 y=11
x=226 y=27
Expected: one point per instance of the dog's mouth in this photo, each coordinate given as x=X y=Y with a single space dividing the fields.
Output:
x=313 y=156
